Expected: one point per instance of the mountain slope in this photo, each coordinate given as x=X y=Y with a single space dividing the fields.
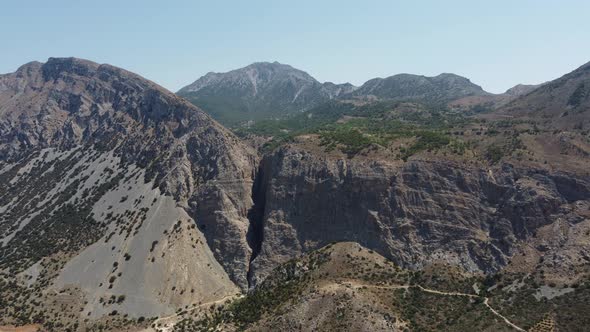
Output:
x=565 y=101
x=344 y=286
x=112 y=184
x=483 y=103
x=260 y=90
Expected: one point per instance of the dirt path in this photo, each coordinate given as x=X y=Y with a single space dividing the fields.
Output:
x=433 y=291
x=501 y=316
x=24 y=328
x=167 y=322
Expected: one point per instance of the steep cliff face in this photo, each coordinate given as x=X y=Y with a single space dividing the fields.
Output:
x=414 y=213
x=114 y=186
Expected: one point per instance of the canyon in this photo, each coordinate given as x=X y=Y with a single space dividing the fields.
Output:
x=122 y=202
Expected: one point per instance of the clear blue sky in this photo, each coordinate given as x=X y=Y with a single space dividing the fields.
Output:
x=496 y=44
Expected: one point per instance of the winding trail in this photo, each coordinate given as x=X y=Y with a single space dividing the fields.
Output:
x=485 y=302
x=501 y=316
x=166 y=323
x=433 y=291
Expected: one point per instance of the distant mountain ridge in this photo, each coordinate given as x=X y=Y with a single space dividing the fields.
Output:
x=441 y=88
x=265 y=90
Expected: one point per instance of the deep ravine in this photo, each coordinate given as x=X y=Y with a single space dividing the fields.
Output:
x=255 y=234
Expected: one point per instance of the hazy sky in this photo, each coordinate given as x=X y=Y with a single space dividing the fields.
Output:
x=496 y=44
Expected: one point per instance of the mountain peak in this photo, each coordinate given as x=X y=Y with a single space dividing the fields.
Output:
x=450 y=75
x=71 y=62
x=258 y=91
x=269 y=64
x=55 y=66
x=63 y=89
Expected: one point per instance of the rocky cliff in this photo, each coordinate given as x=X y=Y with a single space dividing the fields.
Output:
x=415 y=213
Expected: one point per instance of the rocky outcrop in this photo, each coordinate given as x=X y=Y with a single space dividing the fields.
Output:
x=414 y=213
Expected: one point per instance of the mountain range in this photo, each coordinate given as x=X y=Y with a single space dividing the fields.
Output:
x=273 y=91
x=408 y=203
